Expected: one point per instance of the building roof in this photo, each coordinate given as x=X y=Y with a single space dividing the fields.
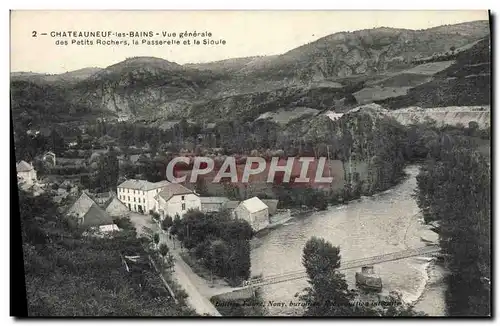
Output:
x=142 y=184
x=213 y=200
x=96 y=216
x=116 y=208
x=232 y=204
x=173 y=189
x=254 y=205
x=23 y=167
x=81 y=205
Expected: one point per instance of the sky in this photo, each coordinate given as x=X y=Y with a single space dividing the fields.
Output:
x=246 y=33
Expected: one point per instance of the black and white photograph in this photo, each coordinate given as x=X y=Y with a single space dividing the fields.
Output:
x=250 y=164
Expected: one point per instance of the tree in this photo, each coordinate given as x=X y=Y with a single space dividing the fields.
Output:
x=57 y=143
x=201 y=186
x=156 y=239
x=176 y=225
x=350 y=99
x=166 y=223
x=155 y=216
x=328 y=293
x=164 y=250
x=456 y=188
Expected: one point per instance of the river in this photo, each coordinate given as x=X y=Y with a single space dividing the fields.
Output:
x=380 y=224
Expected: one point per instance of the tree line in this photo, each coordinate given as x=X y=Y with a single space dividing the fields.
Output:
x=454 y=188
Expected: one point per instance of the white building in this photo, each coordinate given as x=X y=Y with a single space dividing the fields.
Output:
x=212 y=204
x=254 y=211
x=139 y=195
x=25 y=173
x=175 y=199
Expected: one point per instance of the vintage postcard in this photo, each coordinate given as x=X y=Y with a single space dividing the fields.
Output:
x=251 y=163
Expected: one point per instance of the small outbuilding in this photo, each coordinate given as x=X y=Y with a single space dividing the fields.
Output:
x=255 y=212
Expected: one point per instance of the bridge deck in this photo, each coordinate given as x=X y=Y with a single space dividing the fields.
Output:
x=298 y=274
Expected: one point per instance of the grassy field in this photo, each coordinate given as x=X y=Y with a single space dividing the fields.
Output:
x=404 y=79
x=430 y=68
x=370 y=94
x=285 y=116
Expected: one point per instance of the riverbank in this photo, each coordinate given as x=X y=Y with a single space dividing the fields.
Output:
x=432 y=299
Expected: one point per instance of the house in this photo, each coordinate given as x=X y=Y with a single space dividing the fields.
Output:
x=212 y=204
x=97 y=217
x=81 y=206
x=254 y=211
x=90 y=216
x=25 y=173
x=115 y=208
x=49 y=158
x=174 y=199
x=139 y=195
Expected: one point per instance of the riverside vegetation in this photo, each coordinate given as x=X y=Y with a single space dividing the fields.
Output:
x=454 y=188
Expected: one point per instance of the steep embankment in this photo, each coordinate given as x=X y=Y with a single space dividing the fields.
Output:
x=445 y=115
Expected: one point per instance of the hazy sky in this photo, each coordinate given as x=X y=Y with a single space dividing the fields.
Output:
x=247 y=33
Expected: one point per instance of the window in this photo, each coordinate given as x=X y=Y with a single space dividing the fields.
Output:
x=128 y=191
x=182 y=197
x=134 y=199
x=144 y=200
x=128 y=198
x=135 y=207
x=183 y=206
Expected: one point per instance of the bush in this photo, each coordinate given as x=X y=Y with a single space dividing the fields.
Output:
x=166 y=223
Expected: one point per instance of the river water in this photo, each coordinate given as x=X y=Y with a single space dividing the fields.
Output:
x=380 y=224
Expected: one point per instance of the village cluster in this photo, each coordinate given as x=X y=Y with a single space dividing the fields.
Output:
x=98 y=210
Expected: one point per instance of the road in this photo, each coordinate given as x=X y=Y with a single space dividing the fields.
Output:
x=197 y=288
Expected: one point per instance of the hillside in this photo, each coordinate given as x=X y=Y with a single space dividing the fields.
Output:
x=336 y=72
x=466 y=82
x=67 y=77
x=367 y=51
x=143 y=87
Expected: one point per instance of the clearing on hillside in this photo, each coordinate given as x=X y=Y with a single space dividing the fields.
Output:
x=430 y=68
